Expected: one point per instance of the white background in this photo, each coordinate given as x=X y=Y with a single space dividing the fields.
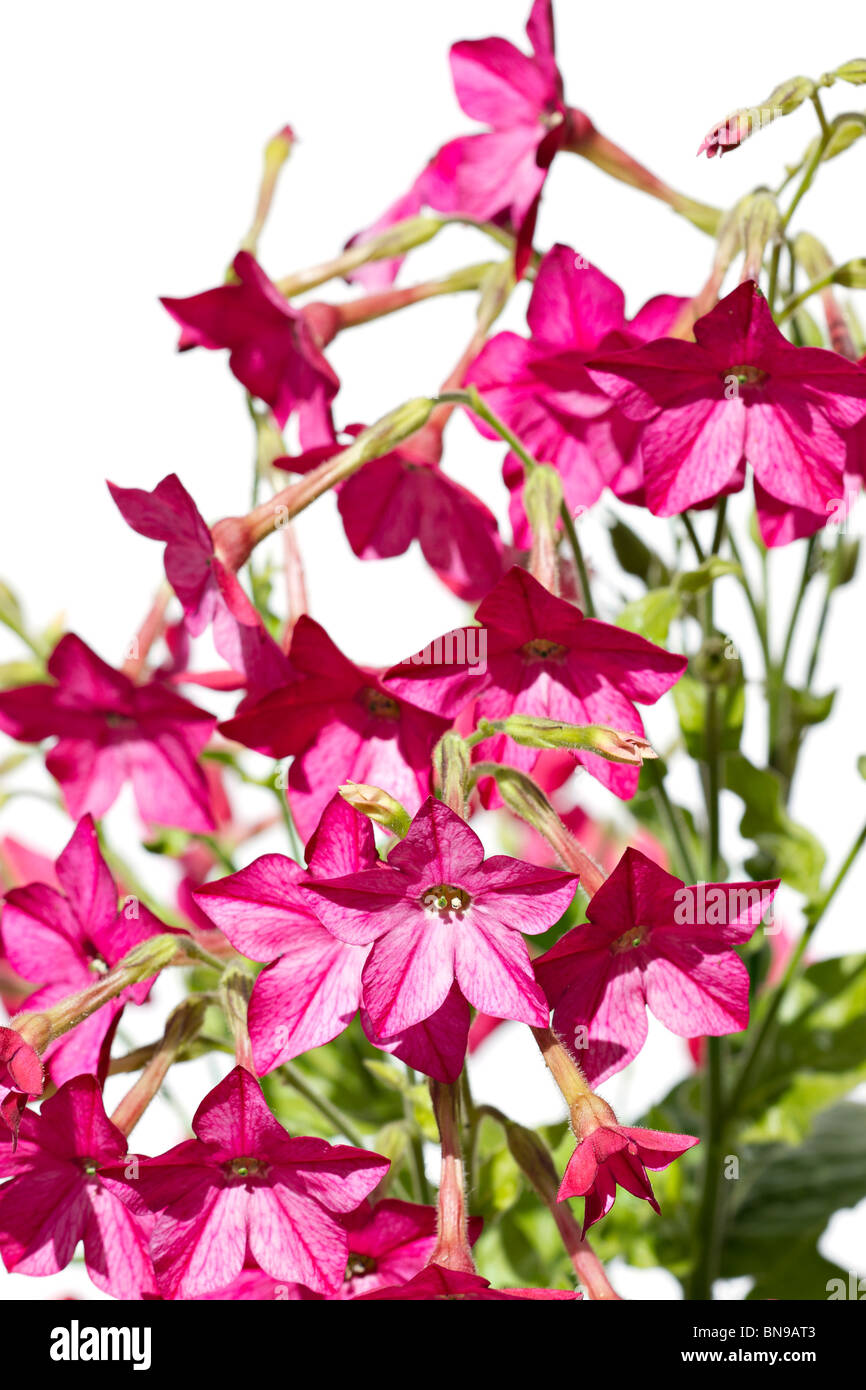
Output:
x=131 y=161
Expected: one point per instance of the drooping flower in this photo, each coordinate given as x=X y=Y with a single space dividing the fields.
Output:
x=21 y=1078
x=207 y=588
x=272 y=346
x=437 y=913
x=405 y=496
x=540 y=388
x=110 y=731
x=497 y=176
x=57 y=1196
x=63 y=938
x=542 y=658
x=312 y=988
x=609 y=1154
x=244 y=1186
x=342 y=725
x=651 y=942
x=436 y=1282
x=740 y=393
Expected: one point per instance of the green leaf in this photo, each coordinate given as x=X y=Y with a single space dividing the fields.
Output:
x=651 y=615
x=697 y=581
x=807 y=708
x=690 y=699
x=636 y=557
x=783 y=1190
x=790 y=851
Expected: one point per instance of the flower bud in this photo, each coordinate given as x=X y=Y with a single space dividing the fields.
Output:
x=451 y=762
x=734 y=129
x=371 y=801
x=762 y=226
x=853 y=71
x=542 y=499
x=526 y=799
x=617 y=747
x=852 y=274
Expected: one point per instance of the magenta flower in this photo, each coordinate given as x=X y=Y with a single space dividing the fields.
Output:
x=497 y=176
x=543 y=658
x=436 y=1282
x=20 y=1078
x=651 y=942
x=342 y=725
x=405 y=496
x=207 y=588
x=111 y=731
x=312 y=989
x=389 y=1243
x=608 y=1154
x=437 y=913
x=57 y=1197
x=540 y=387
x=740 y=392
x=272 y=346
x=244 y=1185
x=63 y=938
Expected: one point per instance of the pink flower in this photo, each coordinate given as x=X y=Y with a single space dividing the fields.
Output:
x=342 y=725
x=543 y=658
x=740 y=392
x=499 y=175
x=62 y=938
x=389 y=1243
x=437 y=913
x=110 y=731
x=57 y=1197
x=207 y=588
x=244 y=1185
x=435 y=1282
x=272 y=346
x=540 y=387
x=405 y=496
x=651 y=942
x=608 y=1154
x=20 y=1078
x=312 y=989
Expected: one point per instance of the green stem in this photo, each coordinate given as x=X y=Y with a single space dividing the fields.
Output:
x=673 y=816
x=693 y=537
x=577 y=551
x=295 y=1078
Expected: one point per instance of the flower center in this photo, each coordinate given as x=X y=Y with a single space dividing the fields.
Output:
x=541 y=649
x=360 y=1264
x=90 y=1166
x=120 y=721
x=379 y=704
x=444 y=897
x=97 y=965
x=629 y=941
x=246 y=1168
x=747 y=374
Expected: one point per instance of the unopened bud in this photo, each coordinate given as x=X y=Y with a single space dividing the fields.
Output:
x=451 y=763
x=384 y=809
x=542 y=499
x=812 y=255
x=762 y=226
x=734 y=129
x=852 y=274
x=853 y=71
x=388 y=432
x=616 y=746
